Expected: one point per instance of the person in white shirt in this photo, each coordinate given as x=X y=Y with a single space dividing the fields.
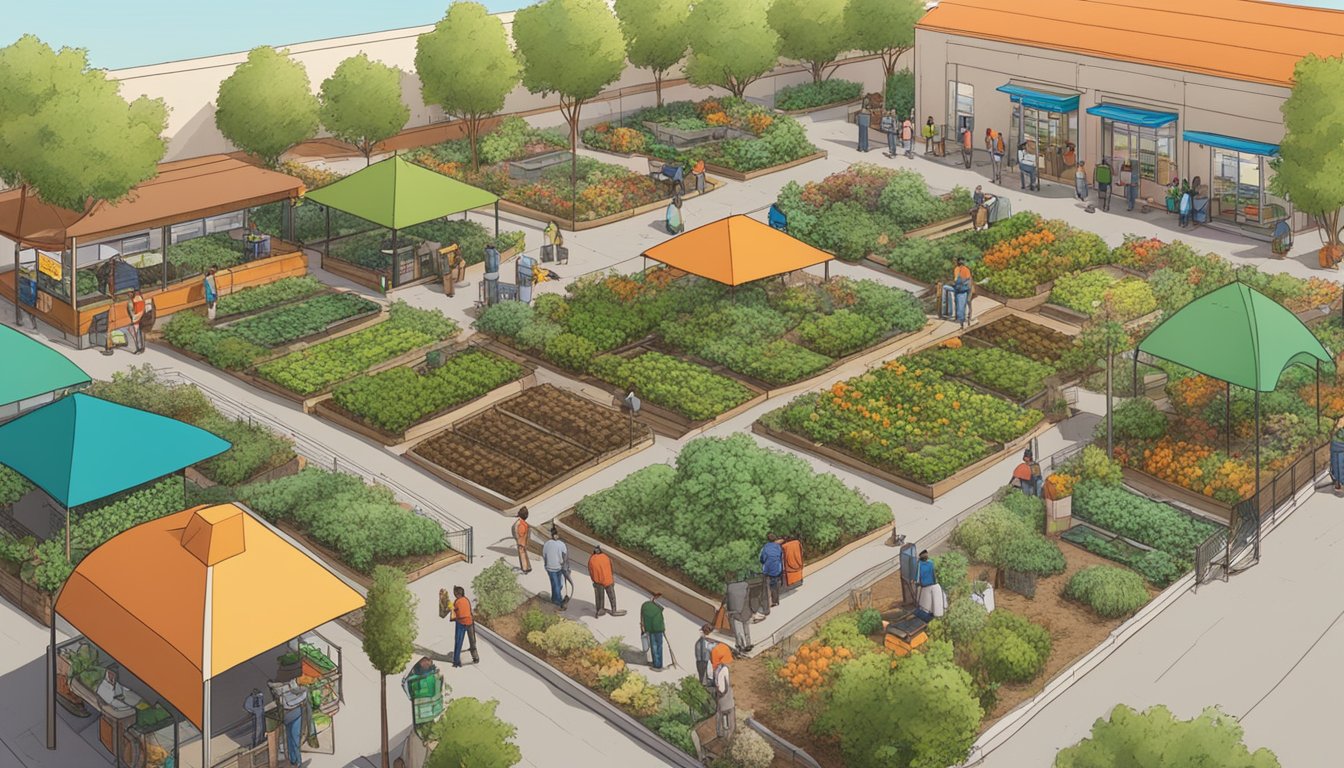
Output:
x=555 y=556
x=725 y=719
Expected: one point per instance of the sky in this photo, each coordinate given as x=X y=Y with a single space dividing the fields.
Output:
x=131 y=33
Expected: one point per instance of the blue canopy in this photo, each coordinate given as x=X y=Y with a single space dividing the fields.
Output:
x=1146 y=118
x=1051 y=102
x=80 y=449
x=1228 y=142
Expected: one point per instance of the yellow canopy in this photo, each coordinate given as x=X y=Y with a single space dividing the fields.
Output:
x=184 y=598
x=737 y=250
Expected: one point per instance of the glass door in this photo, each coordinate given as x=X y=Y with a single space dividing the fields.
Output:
x=1249 y=188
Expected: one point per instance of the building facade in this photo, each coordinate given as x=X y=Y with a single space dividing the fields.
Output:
x=1184 y=91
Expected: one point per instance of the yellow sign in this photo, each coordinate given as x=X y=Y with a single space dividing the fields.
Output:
x=49 y=266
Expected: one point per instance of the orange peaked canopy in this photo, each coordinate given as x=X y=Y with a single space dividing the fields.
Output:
x=182 y=599
x=737 y=250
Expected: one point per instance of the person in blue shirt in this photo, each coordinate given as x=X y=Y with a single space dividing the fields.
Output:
x=926 y=575
x=772 y=565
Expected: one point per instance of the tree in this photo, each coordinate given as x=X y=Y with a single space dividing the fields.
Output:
x=811 y=31
x=732 y=44
x=389 y=631
x=572 y=48
x=921 y=714
x=361 y=103
x=1156 y=737
x=267 y=106
x=466 y=67
x=656 y=35
x=1309 y=170
x=1105 y=338
x=471 y=736
x=884 y=28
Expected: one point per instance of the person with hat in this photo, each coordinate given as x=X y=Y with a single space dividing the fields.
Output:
x=1027 y=475
x=604 y=581
x=704 y=649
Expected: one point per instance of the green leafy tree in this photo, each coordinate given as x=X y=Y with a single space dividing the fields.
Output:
x=1311 y=155
x=361 y=103
x=656 y=35
x=466 y=67
x=572 y=48
x=66 y=134
x=267 y=105
x=732 y=44
x=1155 y=737
x=811 y=31
x=470 y=735
x=884 y=28
x=389 y=632
x=922 y=714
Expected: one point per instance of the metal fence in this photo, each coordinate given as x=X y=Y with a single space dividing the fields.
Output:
x=457 y=533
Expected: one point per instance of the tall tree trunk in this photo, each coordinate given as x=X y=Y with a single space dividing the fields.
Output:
x=18 y=246
x=658 y=85
x=817 y=67
x=889 y=58
x=473 y=122
x=383 y=703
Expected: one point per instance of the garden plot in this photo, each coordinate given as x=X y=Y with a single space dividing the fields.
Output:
x=529 y=446
x=735 y=138
x=1108 y=291
x=1018 y=334
x=805 y=98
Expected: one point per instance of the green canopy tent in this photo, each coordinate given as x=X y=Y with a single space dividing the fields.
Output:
x=32 y=369
x=395 y=194
x=63 y=448
x=1239 y=336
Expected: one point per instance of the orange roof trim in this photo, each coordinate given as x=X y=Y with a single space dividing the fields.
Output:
x=737 y=250
x=1249 y=40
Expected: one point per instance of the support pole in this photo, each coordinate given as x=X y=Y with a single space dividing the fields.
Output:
x=1227 y=417
x=396 y=266
x=74 y=284
x=1258 y=506
x=326 y=244
x=827 y=268
x=1135 y=390
x=18 y=312
x=163 y=268
x=496 y=218
x=51 y=685
x=1110 y=360
x=1318 y=396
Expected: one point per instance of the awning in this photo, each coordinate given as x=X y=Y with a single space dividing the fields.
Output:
x=1051 y=102
x=1228 y=142
x=737 y=250
x=33 y=368
x=1146 y=118
x=395 y=194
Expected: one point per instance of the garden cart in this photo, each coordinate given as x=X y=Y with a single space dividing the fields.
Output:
x=426 y=694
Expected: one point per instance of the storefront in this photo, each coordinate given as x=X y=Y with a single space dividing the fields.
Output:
x=1143 y=136
x=1239 y=174
x=1048 y=122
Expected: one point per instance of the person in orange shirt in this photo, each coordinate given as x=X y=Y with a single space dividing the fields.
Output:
x=967 y=146
x=604 y=581
x=793 y=561
x=466 y=627
x=698 y=173
x=520 y=530
x=1027 y=476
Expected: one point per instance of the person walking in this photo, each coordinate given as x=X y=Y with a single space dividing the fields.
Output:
x=135 y=310
x=793 y=561
x=967 y=146
x=888 y=127
x=652 y=626
x=1185 y=206
x=996 y=153
x=1026 y=166
x=465 y=627
x=737 y=605
x=604 y=581
x=725 y=715
x=698 y=174
x=929 y=131
x=1101 y=176
x=555 y=557
x=1080 y=181
x=864 y=120
x=772 y=566
x=704 y=649
x=521 y=529
x=908 y=137
x=1129 y=174
x=211 y=293
x=672 y=217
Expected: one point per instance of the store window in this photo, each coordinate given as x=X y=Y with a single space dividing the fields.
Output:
x=224 y=223
x=1240 y=191
x=961 y=100
x=186 y=231
x=1154 y=149
x=1055 y=138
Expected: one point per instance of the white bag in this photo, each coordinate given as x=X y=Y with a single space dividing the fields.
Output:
x=986 y=598
x=933 y=600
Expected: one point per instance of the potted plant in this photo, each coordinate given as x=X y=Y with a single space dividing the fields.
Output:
x=1059 y=502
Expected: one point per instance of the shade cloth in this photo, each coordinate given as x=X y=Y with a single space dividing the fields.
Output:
x=1236 y=334
x=185 y=598
x=1229 y=142
x=396 y=194
x=1146 y=118
x=80 y=448
x=33 y=368
x=1051 y=102
x=737 y=250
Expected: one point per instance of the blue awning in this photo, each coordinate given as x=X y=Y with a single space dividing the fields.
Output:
x=1228 y=142
x=1133 y=115
x=1051 y=102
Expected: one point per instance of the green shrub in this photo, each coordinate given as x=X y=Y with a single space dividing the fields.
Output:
x=537 y=334
x=951 y=569
x=562 y=637
x=537 y=620
x=268 y=295
x=1000 y=537
x=811 y=95
x=497 y=590
x=1109 y=591
x=900 y=93
x=891 y=308
x=909 y=204
x=570 y=351
x=1156 y=738
x=843 y=632
x=195 y=256
x=1097 y=466
x=1157 y=525
x=1033 y=554
x=840 y=333
x=470 y=733
x=1010 y=648
x=1137 y=419
x=1030 y=509
x=869 y=621
x=962 y=622
x=13 y=486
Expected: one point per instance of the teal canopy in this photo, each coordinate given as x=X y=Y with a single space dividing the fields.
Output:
x=1231 y=142
x=1236 y=334
x=81 y=449
x=1146 y=118
x=32 y=368
x=1050 y=102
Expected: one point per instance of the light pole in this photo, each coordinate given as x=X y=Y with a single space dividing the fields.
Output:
x=1106 y=314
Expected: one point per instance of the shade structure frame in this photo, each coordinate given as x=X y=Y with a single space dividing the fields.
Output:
x=396 y=194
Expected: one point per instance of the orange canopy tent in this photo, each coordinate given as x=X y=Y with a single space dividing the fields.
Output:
x=180 y=600
x=737 y=250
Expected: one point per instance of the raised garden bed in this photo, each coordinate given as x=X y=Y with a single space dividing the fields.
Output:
x=406 y=403
x=1014 y=377
x=1116 y=292
x=529 y=446
x=1014 y=333
x=261 y=298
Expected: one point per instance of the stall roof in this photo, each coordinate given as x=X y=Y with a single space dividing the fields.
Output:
x=185 y=598
x=1246 y=40
x=33 y=368
x=1236 y=334
x=182 y=190
x=1231 y=142
x=1036 y=99
x=396 y=194
x=80 y=448
x=737 y=250
x=1148 y=118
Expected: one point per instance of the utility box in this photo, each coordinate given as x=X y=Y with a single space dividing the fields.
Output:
x=1058 y=515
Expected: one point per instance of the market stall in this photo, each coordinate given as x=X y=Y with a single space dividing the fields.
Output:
x=35 y=374
x=75 y=269
x=201 y=622
x=738 y=250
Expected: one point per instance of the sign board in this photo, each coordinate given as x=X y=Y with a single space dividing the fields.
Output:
x=49 y=266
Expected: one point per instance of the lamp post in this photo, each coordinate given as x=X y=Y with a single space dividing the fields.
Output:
x=1110 y=442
